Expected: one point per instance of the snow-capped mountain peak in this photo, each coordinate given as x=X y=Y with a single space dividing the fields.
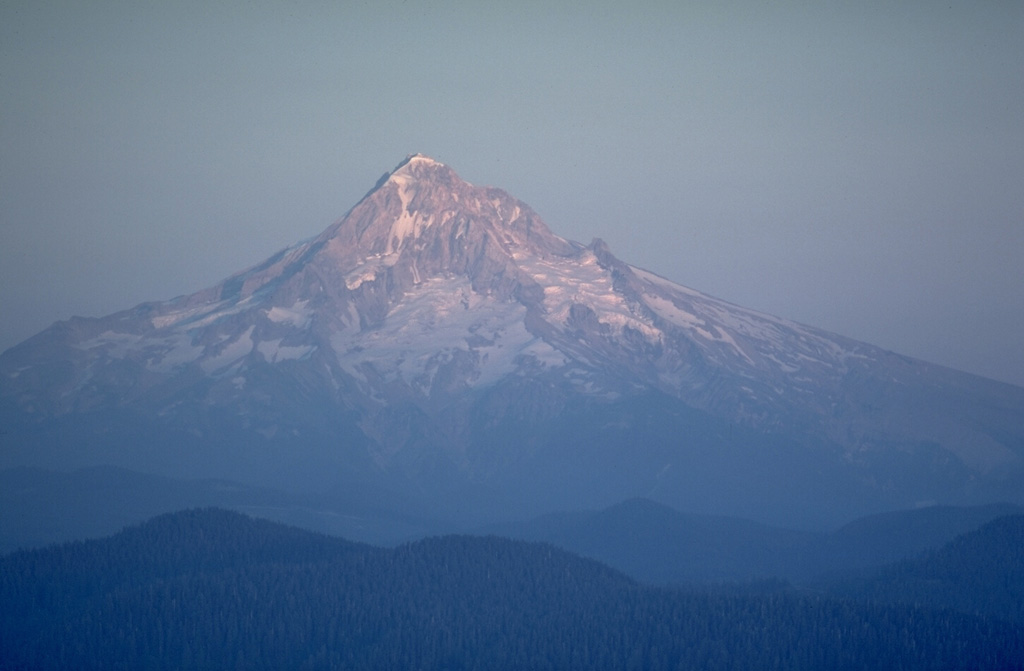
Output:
x=436 y=310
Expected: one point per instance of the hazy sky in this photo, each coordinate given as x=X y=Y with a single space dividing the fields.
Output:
x=858 y=166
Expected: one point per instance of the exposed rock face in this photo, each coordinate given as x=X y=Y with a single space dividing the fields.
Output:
x=438 y=347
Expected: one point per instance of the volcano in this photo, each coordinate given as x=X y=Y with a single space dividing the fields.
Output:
x=439 y=350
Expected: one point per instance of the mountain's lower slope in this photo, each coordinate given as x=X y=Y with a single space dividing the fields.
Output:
x=211 y=589
x=439 y=350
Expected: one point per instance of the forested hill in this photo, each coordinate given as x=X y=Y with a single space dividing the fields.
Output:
x=214 y=589
x=979 y=572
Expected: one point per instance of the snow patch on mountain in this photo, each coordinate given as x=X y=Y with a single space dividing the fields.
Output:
x=415 y=160
x=201 y=315
x=408 y=224
x=764 y=341
x=172 y=318
x=583 y=281
x=230 y=353
x=369 y=269
x=671 y=312
x=112 y=344
x=298 y=315
x=274 y=352
x=175 y=351
x=443 y=322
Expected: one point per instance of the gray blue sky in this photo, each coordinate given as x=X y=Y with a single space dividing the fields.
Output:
x=856 y=166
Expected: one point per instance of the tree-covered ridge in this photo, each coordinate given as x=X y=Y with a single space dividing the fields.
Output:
x=213 y=589
x=980 y=572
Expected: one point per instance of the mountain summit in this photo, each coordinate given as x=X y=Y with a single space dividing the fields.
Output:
x=440 y=349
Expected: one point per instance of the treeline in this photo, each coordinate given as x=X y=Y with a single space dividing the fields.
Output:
x=211 y=589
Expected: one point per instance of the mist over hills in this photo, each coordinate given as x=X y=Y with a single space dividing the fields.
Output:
x=648 y=541
x=439 y=353
x=655 y=544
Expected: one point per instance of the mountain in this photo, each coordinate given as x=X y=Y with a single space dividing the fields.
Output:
x=439 y=351
x=209 y=589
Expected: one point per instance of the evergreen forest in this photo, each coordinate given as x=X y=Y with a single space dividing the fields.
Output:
x=212 y=589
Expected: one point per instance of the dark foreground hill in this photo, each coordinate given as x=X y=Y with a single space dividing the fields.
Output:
x=215 y=589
